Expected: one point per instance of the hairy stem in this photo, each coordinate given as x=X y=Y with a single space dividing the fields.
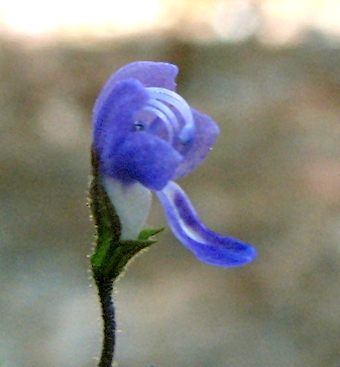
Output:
x=105 y=287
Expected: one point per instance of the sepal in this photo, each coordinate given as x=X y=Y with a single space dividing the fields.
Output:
x=147 y=233
x=119 y=254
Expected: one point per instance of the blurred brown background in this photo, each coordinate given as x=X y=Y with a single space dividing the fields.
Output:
x=273 y=180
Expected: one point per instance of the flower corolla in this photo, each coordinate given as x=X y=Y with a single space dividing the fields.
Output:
x=145 y=136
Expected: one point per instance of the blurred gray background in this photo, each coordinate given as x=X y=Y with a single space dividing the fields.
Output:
x=273 y=180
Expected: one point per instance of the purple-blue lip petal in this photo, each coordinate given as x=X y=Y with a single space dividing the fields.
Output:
x=149 y=73
x=143 y=158
x=115 y=118
x=209 y=247
x=206 y=132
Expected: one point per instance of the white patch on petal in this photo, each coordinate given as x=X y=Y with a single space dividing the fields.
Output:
x=132 y=203
x=170 y=192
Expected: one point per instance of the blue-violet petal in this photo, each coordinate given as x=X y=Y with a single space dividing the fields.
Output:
x=115 y=119
x=209 y=247
x=206 y=132
x=149 y=73
x=144 y=158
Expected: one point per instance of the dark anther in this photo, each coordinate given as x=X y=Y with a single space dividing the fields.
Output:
x=139 y=126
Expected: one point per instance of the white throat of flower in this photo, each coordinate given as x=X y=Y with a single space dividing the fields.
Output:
x=132 y=204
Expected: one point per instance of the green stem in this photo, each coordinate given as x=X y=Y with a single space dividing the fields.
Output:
x=105 y=287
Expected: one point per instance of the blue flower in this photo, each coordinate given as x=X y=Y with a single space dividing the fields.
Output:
x=146 y=136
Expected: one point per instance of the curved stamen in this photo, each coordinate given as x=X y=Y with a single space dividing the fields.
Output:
x=175 y=100
x=165 y=119
x=166 y=110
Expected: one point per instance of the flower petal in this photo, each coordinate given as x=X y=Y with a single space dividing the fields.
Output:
x=150 y=74
x=208 y=246
x=145 y=158
x=195 y=152
x=116 y=116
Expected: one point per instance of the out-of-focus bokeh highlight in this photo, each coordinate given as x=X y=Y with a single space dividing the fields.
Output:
x=274 y=21
x=268 y=73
